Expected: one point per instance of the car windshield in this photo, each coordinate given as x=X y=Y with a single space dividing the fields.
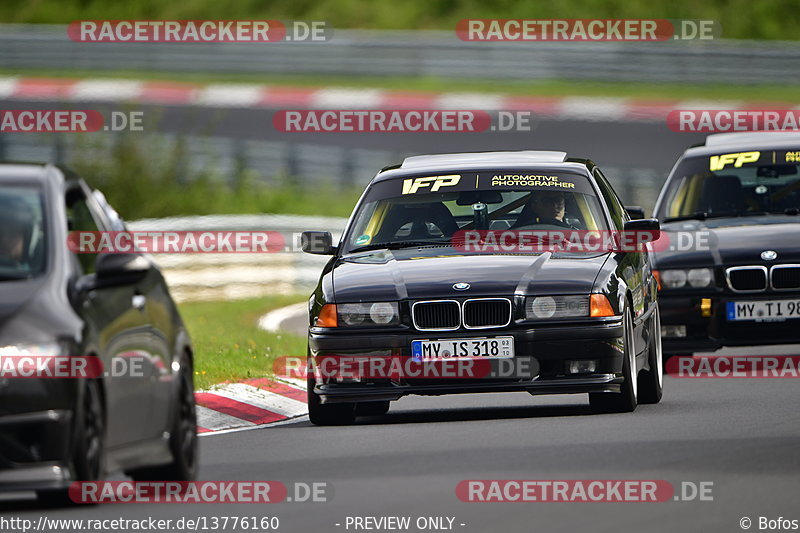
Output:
x=22 y=236
x=733 y=185
x=429 y=210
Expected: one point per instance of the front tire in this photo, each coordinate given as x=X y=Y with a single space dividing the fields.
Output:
x=651 y=382
x=331 y=414
x=626 y=400
x=88 y=444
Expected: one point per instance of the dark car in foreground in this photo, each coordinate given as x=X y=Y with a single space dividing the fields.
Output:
x=730 y=273
x=137 y=413
x=401 y=286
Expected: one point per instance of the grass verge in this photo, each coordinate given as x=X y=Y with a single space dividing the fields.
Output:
x=762 y=19
x=545 y=88
x=228 y=344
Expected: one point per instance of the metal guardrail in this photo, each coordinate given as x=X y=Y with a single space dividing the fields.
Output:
x=270 y=162
x=417 y=53
x=240 y=275
x=223 y=158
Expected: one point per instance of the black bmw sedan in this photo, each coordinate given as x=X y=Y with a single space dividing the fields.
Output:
x=456 y=274
x=136 y=413
x=729 y=266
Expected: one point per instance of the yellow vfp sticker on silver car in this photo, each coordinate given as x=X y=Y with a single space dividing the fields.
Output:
x=412 y=185
x=718 y=162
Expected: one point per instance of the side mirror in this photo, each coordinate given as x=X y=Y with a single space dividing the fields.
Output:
x=642 y=231
x=114 y=270
x=636 y=212
x=120 y=269
x=317 y=242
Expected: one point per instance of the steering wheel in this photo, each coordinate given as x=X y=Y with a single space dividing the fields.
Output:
x=546 y=221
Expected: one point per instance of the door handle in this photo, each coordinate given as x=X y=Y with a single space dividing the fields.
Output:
x=138 y=301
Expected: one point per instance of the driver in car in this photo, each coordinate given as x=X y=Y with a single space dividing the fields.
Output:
x=546 y=207
x=15 y=226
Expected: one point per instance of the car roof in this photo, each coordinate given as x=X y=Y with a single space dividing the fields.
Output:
x=539 y=159
x=519 y=157
x=741 y=141
x=21 y=171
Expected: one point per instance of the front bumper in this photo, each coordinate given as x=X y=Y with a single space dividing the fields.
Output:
x=709 y=333
x=547 y=348
x=34 y=450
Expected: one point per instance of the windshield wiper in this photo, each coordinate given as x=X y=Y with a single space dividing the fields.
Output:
x=397 y=245
x=703 y=215
x=793 y=211
x=14 y=277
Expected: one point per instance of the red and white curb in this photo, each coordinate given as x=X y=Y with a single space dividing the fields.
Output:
x=231 y=95
x=255 y=403
x=260 y=402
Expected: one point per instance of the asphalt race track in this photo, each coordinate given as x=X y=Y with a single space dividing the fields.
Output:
x=639 y=145
x=740 y=434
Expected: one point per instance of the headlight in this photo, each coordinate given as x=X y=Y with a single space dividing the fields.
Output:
x=31 y=349
x=369 y=314
x=696 y=278
x=673 y=279
x=700 y=277
x=382 y=312
x=543 y=307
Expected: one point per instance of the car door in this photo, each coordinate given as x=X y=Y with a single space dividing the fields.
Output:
x=164 y=326
x=119 y=331
x=634 y=267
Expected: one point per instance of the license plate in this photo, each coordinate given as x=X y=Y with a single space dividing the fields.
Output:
x=438 y=350
x=764 y=310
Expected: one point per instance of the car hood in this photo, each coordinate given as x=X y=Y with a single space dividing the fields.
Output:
x=418 y=273
x=730 y=242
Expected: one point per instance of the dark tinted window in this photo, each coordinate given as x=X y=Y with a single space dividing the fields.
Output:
x=733 y=184
x=615 y=207
x=80 y=218
x=22 y=233
x=432 y=208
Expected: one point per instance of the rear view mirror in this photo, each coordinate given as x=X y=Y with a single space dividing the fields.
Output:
x=483 y=197
x=317 y=242
x=776 y=171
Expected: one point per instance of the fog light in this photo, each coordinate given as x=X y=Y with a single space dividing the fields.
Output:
x=673 y=331
x=705 y=307
x=587 y=366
